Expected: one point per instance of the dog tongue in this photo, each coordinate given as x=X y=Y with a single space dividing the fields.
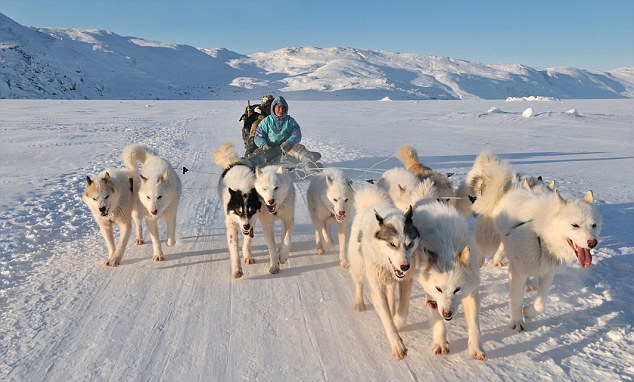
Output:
x=584 y=257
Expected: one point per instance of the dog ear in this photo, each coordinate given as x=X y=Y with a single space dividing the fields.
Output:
x=401 y=188
x=280 y=170
x=143 y=179
x=378 y=218
x=106 y=177
x=88 y=180
x=408 y=215
x=330 y=180
x=551 y=185
x=464 y=256
x=165 y=176
x=349 y=182
x=589 y=197
x=562 y=201
x=258 y=171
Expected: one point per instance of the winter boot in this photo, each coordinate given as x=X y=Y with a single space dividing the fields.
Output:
x=301 y=153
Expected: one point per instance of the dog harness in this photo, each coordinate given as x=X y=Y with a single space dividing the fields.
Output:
x=539 y=240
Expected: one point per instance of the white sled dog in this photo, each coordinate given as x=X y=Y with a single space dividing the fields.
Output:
x=159 y=193
x=541 y=231
x=408 y=155
x=330 y=198
x=487 y=182
x=399 y=183
x=449 y=272
x=277 y=192
x=240 y=203
x=382 y=243
x=112 y=199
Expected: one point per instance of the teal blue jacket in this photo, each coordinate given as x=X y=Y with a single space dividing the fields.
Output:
x=274 y=131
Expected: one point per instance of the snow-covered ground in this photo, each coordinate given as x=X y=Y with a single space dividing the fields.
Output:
x=66 y=316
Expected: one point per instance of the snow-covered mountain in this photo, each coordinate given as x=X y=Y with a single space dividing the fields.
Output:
x=63 y=63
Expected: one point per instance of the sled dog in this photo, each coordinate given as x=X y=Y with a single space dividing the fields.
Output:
x=159 y=193
x=540 y=232
x=382 y=243
x=487 y=182
x=408 y=155
x=399 y=184
x=275 y=188
x=112 y=199
x=449 y=273
x=330 y=198
x=240 y=204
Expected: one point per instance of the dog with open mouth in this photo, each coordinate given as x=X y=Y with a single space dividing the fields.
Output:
x=276 y=191
x=382 y=243
x=112 y=199
x=241 y=204
x=540 y=232
x=330 y=198
x=449 y=272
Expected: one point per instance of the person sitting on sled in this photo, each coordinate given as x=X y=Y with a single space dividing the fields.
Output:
x=280 y=133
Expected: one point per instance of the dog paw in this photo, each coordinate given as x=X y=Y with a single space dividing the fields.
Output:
x=320 y=251
x=157 y=258
x=344 y=263
x=248 y=260
x=112 y=262
x=170 y=242
x=517 y=325
x=237 y=274
x=138 y=241
x=440 y=349
x=360 y=307
x=274 y=270
x=478 y=354
x=283 y=259
x=399 y=350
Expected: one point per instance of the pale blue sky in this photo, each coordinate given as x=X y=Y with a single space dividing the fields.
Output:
x=583 y=34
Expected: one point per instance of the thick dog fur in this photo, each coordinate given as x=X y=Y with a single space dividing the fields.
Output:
x=382 y=243
x=112 y=199
x=408 y=155
x=540 y=232
x=448 y=272
x=241 y=204
x=277 y=192
x=488 y=181
x=330 y=199
x=399 y=183
x=159 y=193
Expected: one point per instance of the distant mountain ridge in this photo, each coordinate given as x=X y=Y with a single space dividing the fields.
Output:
x=59 y=63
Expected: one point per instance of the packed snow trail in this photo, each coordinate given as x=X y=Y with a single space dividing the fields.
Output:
x=66 y=316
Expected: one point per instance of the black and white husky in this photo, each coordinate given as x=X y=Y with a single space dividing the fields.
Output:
x=236 y=189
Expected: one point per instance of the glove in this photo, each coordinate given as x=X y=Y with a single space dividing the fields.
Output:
x=286 y=146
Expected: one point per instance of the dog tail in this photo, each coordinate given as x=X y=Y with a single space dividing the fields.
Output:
x=226 y=156
x=408 y=155
x=370 y=196
x=136 y=153
x=496 y=179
